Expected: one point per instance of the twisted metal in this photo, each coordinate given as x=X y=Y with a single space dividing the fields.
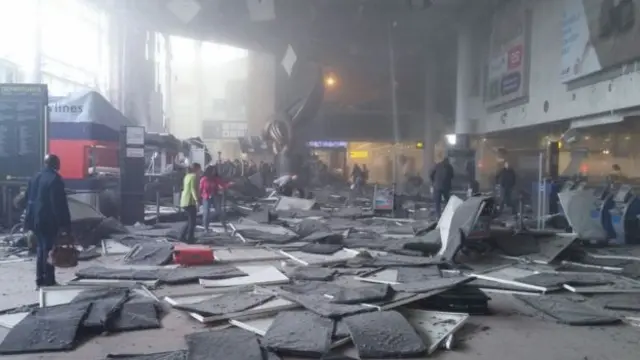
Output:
x=282 y=131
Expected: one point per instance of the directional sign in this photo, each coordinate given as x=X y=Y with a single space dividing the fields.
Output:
x=23 y=129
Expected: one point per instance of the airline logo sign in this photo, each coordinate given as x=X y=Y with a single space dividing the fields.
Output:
x=508 y=72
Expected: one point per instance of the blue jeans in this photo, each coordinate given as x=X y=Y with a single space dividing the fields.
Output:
x=206 y=208
x=207 y=205
x=45 y=272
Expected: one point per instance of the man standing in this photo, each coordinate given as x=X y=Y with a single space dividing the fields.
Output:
x=47 y=216
x=441 y=177
x=189 y=202
x=506 y=178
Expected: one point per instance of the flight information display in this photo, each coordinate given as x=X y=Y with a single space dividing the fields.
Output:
x=23 y=129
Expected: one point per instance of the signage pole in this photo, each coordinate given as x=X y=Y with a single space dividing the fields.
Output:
x=394 y=101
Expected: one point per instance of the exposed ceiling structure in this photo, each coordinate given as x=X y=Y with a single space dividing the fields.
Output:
x=348 y=36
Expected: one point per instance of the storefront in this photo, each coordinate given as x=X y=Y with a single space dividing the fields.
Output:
x=332 y=153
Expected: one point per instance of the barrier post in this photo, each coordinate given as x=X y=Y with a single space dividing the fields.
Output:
x=157 y=206
x=540 y=192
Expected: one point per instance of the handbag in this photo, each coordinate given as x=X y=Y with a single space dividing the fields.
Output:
x=64 y=254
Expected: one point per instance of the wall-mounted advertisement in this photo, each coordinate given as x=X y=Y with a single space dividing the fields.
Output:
x=598 y=34
x=508 y=68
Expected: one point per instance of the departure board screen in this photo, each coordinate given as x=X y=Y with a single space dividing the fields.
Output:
x=23 y=129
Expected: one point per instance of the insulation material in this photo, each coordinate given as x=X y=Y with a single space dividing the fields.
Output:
x=164 y=275
x=138 y=313
x=227 y=303
x=290 y=203
x=431 y=285
x=550 y=248
x=269 y=307
x=568 y=310
x=53 y=328
x=256 y=275
x=577 y=206
x=435 y=327
x=299 y=333
x=461 y=222
x=169 y=355
x=313 y=273
x=105 y=305
x=320 y=260
x=228 y=344
x=255 y=235
x=322 y=306
x=246 y=255
x=321 y=249
x=154 y=253
x=361 y=294
x=387 y=276
x=444 y=223
x=384 y=334
x=413 y=274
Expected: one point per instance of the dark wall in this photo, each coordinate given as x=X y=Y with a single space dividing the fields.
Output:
x=364 y=127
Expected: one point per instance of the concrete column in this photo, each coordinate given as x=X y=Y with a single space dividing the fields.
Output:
x=168 y=82
x=37 y=59
x=199 y=81
x=262 y=91
x=464 y=81
x=431 y=117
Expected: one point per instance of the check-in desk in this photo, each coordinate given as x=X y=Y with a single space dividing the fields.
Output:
x=624 y=216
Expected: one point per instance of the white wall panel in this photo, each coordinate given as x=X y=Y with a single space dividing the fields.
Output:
x=545 y=82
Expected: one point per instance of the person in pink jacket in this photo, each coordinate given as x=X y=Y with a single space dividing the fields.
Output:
x=211 y=187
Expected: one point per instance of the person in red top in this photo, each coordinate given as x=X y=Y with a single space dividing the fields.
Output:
x=211 y=187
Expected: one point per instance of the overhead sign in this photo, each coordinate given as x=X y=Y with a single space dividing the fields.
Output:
x=327 y=144
x=359 y=154
x=508 y=69
x=213 y=130
x=24 y=118
x=596 y=35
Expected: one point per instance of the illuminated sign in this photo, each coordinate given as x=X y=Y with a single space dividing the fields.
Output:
x=327 y=144
x=358 y=154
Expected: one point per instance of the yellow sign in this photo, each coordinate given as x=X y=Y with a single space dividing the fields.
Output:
x=419 y=145
x=358 y=154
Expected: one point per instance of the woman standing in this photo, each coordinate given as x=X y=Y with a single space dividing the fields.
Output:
x=211 y=187
x=189 y=201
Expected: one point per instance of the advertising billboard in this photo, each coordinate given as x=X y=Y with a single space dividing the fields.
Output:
x=598 y=34
x=508 y=68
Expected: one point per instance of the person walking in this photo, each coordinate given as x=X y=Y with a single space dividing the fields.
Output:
x=506 y=178
x=212 y=186
x=441 y=177
x=47 y=216
x=189 y=201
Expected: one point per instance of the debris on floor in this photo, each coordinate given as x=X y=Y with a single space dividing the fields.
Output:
x=315 y=279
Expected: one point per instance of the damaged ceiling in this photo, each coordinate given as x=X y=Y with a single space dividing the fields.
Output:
x=349 y=37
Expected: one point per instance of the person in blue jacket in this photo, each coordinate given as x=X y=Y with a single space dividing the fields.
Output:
x=47 y=215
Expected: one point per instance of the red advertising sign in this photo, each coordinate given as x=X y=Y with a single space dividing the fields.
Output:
x=515 y=57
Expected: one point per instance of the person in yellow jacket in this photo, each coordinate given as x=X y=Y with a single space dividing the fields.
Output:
x=189 y=202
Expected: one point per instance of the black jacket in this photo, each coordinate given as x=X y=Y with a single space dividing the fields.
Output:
x=506 y=178
x=441 y=176
x=47 y=206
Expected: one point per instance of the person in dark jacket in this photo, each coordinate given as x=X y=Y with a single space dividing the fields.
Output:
x=47 y=216
x=441 y=177
x=506 y=178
